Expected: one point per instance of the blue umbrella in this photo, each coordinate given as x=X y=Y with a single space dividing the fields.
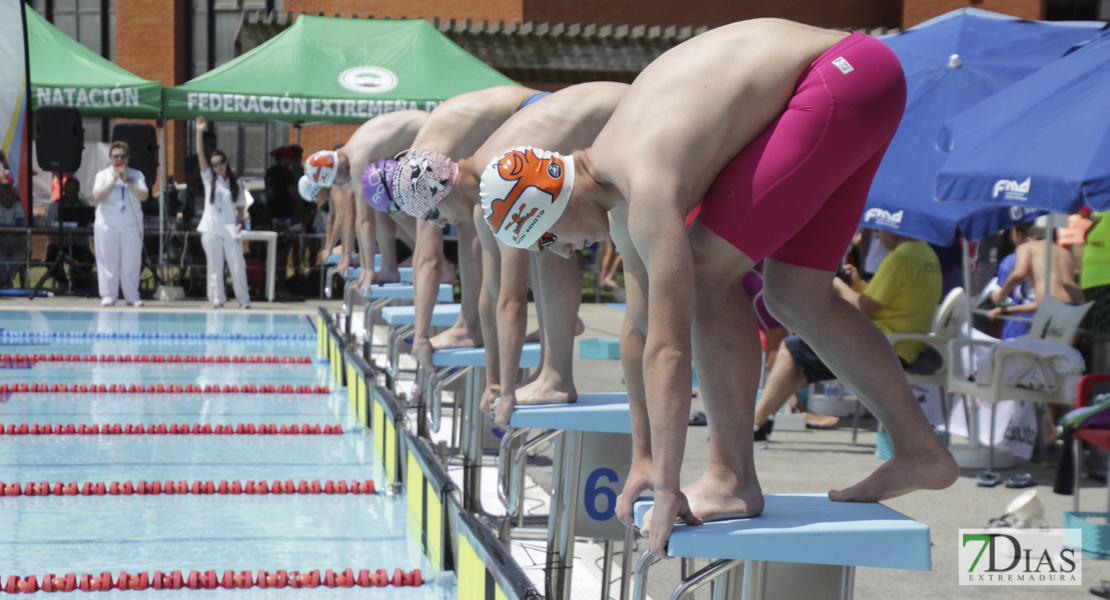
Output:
x=1043 y=142
x=951 y=63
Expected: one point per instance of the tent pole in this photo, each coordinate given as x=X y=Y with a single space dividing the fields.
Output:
x=297 y=126
x=968 y=292
x=162 y=197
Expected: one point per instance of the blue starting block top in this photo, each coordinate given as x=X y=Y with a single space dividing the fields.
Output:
x=443 y=315
x=809 y=528
x=476 y=357
x=405 y=273
x=333 y=259
x=605 y=413
x=404 y=291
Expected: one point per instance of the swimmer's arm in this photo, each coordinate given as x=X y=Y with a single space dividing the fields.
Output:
x=512 y=314
x=633 y=337
x=488 y=296
x=367 y=242
x=865 y=303
x=428 y=263
x=657 y=228
x=335 y=199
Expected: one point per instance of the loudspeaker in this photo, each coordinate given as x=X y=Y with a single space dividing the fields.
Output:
x=142 y=141
x=59 y=138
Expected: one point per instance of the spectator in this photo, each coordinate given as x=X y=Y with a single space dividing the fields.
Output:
x=75 y=245
x=13 y=248
x=901 y=298
x=1095 y=279
x=281 y=199
x=1029 y=263
x=220 y=225
x=194 y=193
x=118 y=193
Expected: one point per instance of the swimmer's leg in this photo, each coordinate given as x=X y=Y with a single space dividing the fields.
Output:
x=803 y=299
x=727 y=356
x=560 y=294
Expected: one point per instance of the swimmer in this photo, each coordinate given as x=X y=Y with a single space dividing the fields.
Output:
x=455 y=130
x=566 y=120
x=776 y=128
x=379 y=138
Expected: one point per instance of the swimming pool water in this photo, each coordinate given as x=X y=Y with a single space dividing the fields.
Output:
x=75 y=534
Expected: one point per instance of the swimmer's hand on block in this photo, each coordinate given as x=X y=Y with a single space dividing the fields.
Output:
x=671 y=508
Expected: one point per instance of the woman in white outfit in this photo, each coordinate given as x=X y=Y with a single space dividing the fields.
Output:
x=119 y=192
x=221 y=223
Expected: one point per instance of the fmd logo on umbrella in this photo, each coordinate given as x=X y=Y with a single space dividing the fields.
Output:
x=1012 y=190
x=368 y=79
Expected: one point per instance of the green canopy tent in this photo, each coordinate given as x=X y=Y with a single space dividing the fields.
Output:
x=66 y=73
x=335 y=70
x=63 y=72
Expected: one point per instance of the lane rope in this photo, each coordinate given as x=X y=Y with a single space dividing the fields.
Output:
x=159 y=388
x=210 y=580
x=22 y=360
x=182 y=487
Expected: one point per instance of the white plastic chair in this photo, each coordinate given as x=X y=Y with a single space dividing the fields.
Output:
x=1054 y=322
x=946 y=327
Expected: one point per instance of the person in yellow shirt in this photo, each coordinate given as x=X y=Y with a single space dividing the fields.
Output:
x=901 y=298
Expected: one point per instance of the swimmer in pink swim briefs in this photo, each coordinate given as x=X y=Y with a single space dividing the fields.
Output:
x=776 y=129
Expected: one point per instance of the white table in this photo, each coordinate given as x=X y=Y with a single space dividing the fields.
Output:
x=270 y=237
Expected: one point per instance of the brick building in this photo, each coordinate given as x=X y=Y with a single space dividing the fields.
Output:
x=176 y=40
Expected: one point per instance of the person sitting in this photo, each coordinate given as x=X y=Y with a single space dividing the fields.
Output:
x=75 y=245
x=901 y=298
x=1029 y=263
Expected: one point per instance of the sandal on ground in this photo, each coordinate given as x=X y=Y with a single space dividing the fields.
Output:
x=1102 y=590
x=1020 y=480
x=989 y=479
x=698 y=419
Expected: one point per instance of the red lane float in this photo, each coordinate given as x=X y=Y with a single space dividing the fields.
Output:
x=208 y=488
x=171 y=429
x=154 y=358
x=211 y=579
x=159 y=388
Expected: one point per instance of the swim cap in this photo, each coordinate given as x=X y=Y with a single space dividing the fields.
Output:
x=524 y=192
x=321 y=167
x=377 y=180
x=306 y=188
x=422 y=180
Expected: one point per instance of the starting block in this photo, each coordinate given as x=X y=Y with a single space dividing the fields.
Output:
x=472 y=425
x=399 y=322
x=593 y=452
x=803 y=545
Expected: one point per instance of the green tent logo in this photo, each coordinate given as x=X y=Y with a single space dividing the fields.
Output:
x=368 y=80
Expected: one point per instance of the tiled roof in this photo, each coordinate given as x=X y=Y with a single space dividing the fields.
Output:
x=555 y=53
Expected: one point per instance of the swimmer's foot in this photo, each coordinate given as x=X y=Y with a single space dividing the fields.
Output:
x=544 y=391
x=457 y=337
x=816 y=421
x=714 y=500
x=579 y=326
x=532 y=337
x=930 y=469
x=449 y=277
x=387 y=276
x=405 y=263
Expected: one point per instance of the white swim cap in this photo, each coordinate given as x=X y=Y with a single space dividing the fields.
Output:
x=422 y=180
x=524 y=192
x=306 y=188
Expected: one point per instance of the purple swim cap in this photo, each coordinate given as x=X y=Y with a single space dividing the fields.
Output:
x=377 y=181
